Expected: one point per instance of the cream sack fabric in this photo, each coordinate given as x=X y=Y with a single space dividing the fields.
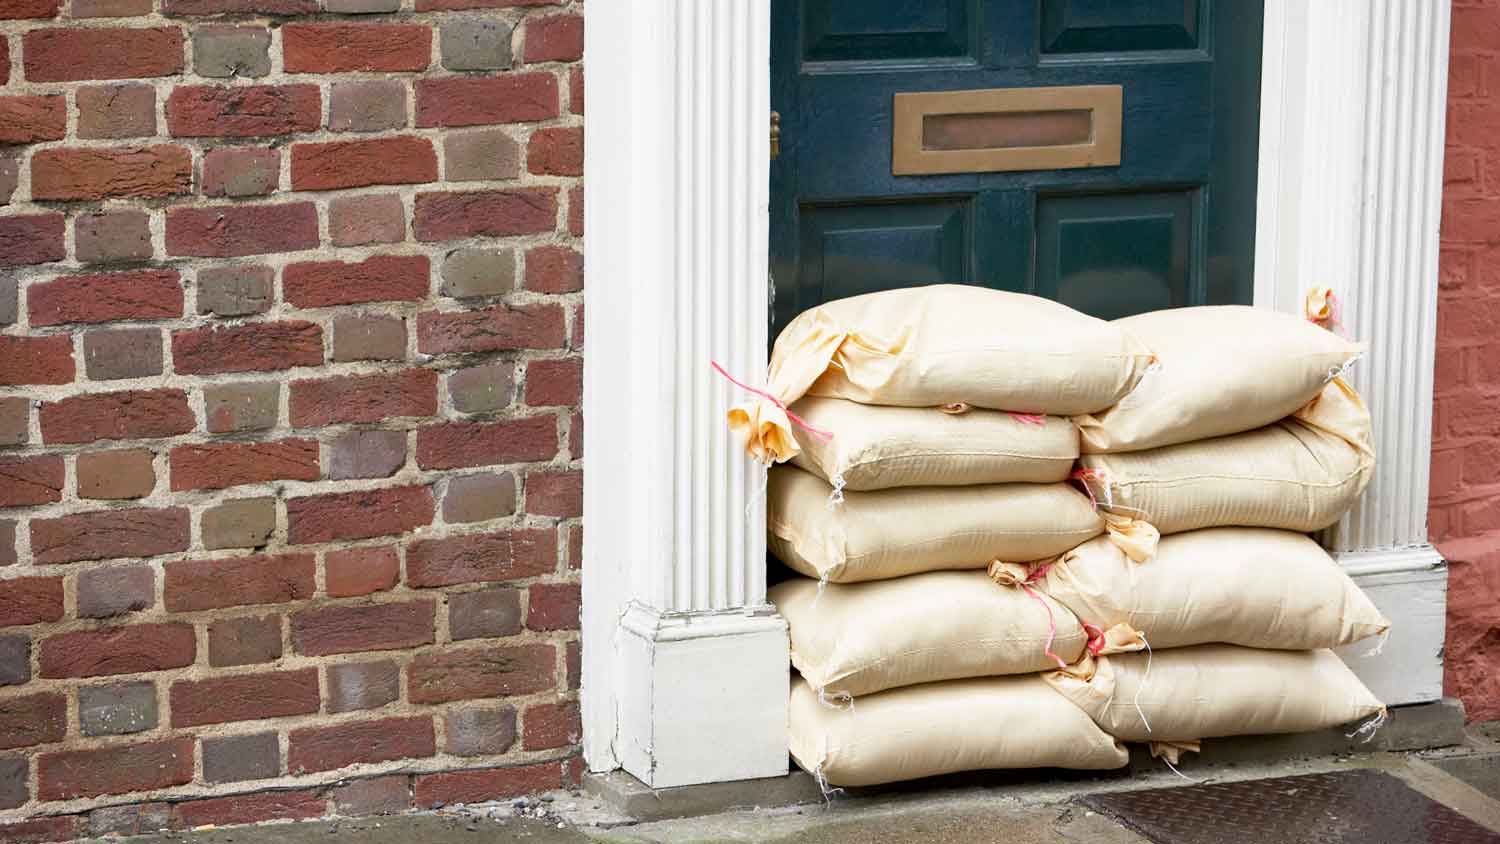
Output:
x=875 y=447
x=1219 y=370
x=942 y=728
x=1301 y=473
x=1215 y=690
x=894 y=532
x=936 y=345
x=1254 y=587
x=859 y=638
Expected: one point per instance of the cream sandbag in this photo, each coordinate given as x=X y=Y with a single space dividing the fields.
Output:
x=1255 y=587
x=1219 y=370
x=1301 y=473
x=937 y=345
x=857 y=638
x=1214 y=690
x=894 y=532
x=878 y=447
x=943 y=728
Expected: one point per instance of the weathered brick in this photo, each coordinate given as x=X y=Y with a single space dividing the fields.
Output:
x=9 y=300
x=122 y=353
x=325 y=748
x=554 y=269
x=553 y=606
x=250 y=7
x=360 y=220
x=242 y=523
x=475 y=44
x=477 y=389
x=368 y=337
x=353 y=164
x=239 y=758
x=486 y=100
x=235 y=581
x=244 y=697
x=364 y=398
x=361 y=7
x=7 y=543
x=112 y=236
x=555 y=493
x=20 y=9
x=13 y=789
x=363 y=685
x=555 y=152
x=31 y=600
x=480 y=155
x=244 y=641
x=265 y=346
x=235 y=291
x=381 y=278
x=117 y=709
x=31 y=480
x=31 y=239
x=367 y=454
x=554 y=382
x=126 y=473
x=575 y=211
x=338 y=48
x=375 y=795
x=483 y=557
x=573 y=660
x=102 y=297
x=243 y=111
x=31 y=720
x=479 y=732
x=118 y=650
x=109 y=8
x=358 y=515
x=478 y=786
x=130 y=819
x=549 y=725
x=116 y=111
x=479 y=272
x=130 y=414
x=35 y=360
x=106 y=534
x=453 y=5
x=498 y=328
x=225 y=51
x=486 y=614
x=119 y=769
x=15 y=420
x=36 y=830
x=477 y=498
x=367 y=106
x=76 y=173
x=360 y=571
x=300 y=804
x=575 y=90
x=241 y=407
x=454 y=445
x=368 y=627
x=222 y=465
x=15 y=663
x=10 y=175
x=30 y=119
x=117 y=590
x=228 y=231
x=557 y=38
x=241 y=171
x=73 y=54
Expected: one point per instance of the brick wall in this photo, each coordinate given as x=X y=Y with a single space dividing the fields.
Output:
x=1464 y=515
x=290 y=336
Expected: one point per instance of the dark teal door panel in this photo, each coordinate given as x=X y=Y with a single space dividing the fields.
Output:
x=1103 y=26
x=852 y=249
x=1114 y=255
x=836 y=30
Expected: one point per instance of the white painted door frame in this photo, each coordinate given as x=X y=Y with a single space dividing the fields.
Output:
x=684 y=662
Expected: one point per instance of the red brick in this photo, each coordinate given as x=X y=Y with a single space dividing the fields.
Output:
x=68 y=55
x=575 y=211
x=497 y=328
x=126 y=415
x=358 y=515
x=549 y=725
x=576 y=340
x=252 y=7
x=241 y=171
x=340 y=48
x=244 y=697
x=35 y=360
x=238 y=581
x=554 y=269
x=39 y=830
x=31 y=720
x=120 y=769
x=554 y=382
x=454 y=445
x=223 y=465
x=484 y=100
x=106 y=534
x=73 y=173
x=228 y=231
x=382 y=278
x=485 y=784
x=263 y=346
x=31 y=239
x=554 y=493
x=482 y=672
x=575 y=437
x=27 y=120
x=243 y=111
x=353 y=164
x=1475 y=29
x=553 y=606
x=558 y=38
x=250 y=808
x=366 y=627
x=574 y=660
x=102 y=297
x=18 y=9
x=360 y=571
x=118 y=650
x=575 y=90
x=364 y=398
x=326 y=748
x=31 y=600
x=575 y=547
x=31 y=480
x=1471 y=220
x=481 y=557
x=1472 y=415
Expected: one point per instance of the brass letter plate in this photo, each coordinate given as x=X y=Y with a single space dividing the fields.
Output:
x=1006 y=129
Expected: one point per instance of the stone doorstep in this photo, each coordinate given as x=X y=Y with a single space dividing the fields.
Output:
x=1416 y=727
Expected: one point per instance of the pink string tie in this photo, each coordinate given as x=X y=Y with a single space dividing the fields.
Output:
x=1028 y=418
x=1084 y=476
x=817 y=432
x=1051 y=627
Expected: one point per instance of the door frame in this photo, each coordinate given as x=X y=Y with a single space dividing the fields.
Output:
x=684 y=663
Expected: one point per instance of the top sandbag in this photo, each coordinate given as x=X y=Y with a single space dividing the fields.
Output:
x=937 y=345
x=1220 y=370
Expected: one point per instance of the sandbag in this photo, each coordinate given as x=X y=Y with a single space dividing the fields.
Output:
x=1219 y=370
x=943 y=728
x=860 y=638
x=1254 y=587
x=1301 y=473
x=893 y=532
x=1214 y=690
x=937 y=345
x=878 y=447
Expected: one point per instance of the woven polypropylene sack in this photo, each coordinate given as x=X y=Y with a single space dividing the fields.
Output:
x=1219 y=370
x=937 y=345
x=859 y=638
x=942 y=728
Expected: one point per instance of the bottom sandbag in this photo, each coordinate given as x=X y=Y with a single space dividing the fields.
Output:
x=1215 y=690
x=943 y=728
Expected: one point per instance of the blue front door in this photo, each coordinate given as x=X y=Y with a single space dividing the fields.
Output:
x=1171 y=224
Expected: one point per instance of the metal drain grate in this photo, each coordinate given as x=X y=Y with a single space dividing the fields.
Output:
x=1363 y=806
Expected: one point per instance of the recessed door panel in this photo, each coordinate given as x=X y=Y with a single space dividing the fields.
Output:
x=1113 y=256
x=850 y=30
x=852 y=249
x=1119 y=26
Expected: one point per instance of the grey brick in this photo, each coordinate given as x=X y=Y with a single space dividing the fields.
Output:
x=15 y=660
x=367 y=106
x=249 y=640
x=367 y=454
x=485 y=614
x=362 y=685
x=133 y=819
x=224 y=51
x=475 y=44
x=10 y=176
x=115 y=591
x=480 y=155
x=243 y=523
x=480 y=732
x=241 y=407
x=117 y=709
x=482 y=388
x=357 y=7
x=368 y=337
x=234 y=291
x=239 y=758
x=12 y=781
x=479 y=272
x=8 y=298
x=475 y=498
x=15 y=420
x=112 y=236
x=122 y=353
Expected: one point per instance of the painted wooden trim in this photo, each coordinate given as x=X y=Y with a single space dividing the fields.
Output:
x=911 y=156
